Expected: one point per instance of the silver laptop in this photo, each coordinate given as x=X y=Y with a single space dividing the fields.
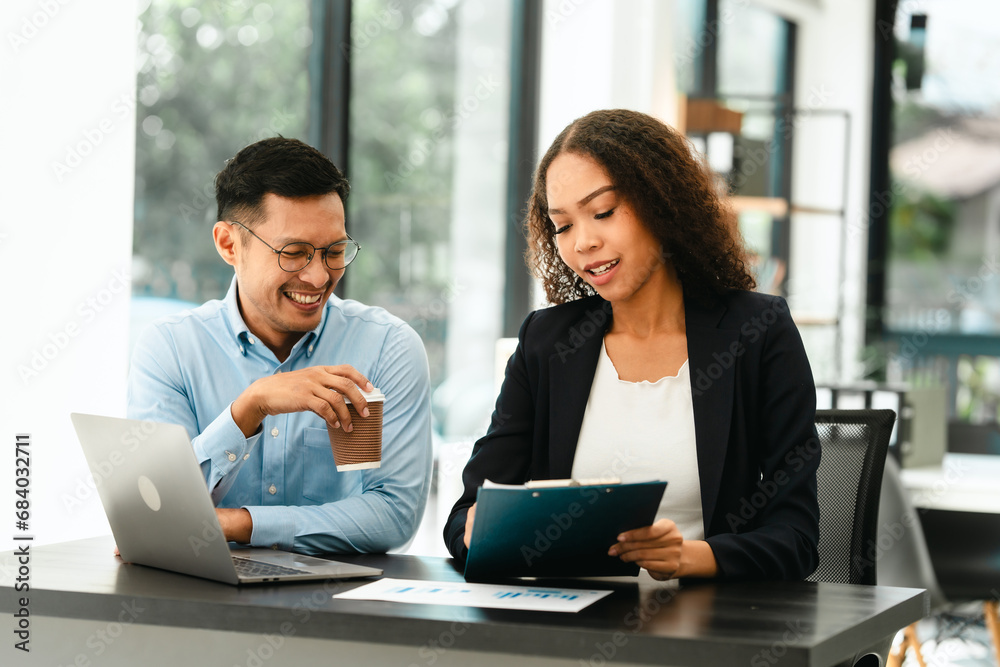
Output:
x=161 y=513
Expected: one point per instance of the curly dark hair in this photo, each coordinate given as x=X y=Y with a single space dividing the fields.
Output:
x=673 y=194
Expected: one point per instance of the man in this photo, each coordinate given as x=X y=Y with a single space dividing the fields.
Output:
x=258 y=377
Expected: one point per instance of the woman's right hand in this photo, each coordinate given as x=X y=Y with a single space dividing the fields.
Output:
x=469 y=518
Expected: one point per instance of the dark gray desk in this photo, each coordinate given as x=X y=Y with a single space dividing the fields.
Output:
x=787 y=624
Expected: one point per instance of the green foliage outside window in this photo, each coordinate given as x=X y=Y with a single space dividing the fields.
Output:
x=920 y=225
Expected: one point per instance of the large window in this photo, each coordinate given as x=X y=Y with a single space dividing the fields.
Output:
x=942 y=293
x=945 y=168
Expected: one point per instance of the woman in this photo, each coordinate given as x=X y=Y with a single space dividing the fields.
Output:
x=656 y=362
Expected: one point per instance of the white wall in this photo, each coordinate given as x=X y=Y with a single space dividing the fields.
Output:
x=604 y=54
x=67 y=77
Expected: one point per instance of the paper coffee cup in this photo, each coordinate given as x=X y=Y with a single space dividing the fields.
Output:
x=360 y=448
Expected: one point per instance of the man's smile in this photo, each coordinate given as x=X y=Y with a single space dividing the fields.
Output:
x=303 y=298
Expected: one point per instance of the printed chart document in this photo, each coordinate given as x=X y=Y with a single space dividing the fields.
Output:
x=556 y=528
x=530 y=598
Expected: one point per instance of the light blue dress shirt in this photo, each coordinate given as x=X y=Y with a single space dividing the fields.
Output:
x=187 y=369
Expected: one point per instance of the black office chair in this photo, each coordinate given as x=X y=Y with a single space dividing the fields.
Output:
x=849 y=481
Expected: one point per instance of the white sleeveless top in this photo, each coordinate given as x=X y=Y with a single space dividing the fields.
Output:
x=643 y=431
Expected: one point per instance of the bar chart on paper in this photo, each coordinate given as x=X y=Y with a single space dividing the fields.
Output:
x=569 y=600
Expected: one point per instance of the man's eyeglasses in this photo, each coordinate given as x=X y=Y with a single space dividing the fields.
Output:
x=296 y=256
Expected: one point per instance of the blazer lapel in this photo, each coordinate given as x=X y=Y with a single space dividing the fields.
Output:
x=571 y=372
x=712 y=354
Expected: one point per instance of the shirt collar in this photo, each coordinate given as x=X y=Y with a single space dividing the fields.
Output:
x=243 y=335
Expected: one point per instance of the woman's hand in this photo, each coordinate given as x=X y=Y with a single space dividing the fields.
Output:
x=664 y=552
x=656 y=548
x=469 y=518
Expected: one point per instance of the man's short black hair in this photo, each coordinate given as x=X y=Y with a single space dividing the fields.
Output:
x=285 y=167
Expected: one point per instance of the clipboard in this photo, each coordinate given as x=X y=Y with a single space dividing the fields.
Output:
x=550 y=530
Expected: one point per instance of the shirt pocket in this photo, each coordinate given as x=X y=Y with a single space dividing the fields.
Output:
x=319 y=471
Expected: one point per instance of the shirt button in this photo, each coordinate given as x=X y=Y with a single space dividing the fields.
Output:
x=250 y=338
x=242 y=350
x=310 y=349
x=272 y=490
x=274 y=432
x=246 y=456
x=232 y=457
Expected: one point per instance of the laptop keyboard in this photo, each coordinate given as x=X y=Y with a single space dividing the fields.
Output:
x=254 y=568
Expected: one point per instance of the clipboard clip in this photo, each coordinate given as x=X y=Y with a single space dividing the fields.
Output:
x=558 y=483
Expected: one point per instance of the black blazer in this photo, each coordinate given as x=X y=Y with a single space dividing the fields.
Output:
x=754 y=413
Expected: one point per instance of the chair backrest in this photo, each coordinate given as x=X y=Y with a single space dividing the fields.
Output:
x=849 y=482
